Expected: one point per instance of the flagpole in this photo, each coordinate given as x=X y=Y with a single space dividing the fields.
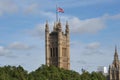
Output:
x=56 y=14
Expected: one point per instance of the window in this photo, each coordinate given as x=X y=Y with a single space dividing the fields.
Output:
x=64 y=52
x=56 y=52
x=51 y=52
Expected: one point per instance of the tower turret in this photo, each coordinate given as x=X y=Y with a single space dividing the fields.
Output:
x=46 y=27
x=54 y=27
x=59 y=27
x=47 y=42
x=67 y=28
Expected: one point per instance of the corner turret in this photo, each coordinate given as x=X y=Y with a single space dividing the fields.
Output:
x=46 y=27
x=67 y=28
x=59 y=27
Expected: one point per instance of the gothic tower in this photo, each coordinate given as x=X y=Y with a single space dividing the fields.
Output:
x=57 y=46
x=114 y=69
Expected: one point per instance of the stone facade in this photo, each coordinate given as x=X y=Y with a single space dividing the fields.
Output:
x=114 y=69
x=57 y=46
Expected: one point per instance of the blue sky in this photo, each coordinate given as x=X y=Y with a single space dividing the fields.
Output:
x=94 y=28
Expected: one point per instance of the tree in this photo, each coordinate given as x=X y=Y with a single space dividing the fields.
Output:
x=46 y=73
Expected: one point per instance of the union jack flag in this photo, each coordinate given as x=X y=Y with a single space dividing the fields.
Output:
x=60 y=10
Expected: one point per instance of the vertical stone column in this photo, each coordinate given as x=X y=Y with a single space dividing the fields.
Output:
x=59 y=30
x=60 y=49
x=68 y=44
x=47 y=49
x=68 y=52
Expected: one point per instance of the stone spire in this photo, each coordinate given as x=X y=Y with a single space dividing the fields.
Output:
x=46 y=27
x=54 y=27
x=116 y=54
x=59 y=26
x=67 y=27
x=116 y=59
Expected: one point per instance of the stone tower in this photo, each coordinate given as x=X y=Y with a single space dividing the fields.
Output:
x=57 y=46
x=114 y=69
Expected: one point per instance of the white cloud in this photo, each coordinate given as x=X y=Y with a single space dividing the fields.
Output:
x=82 y=62
x=111 y=17
x=92 y=25
x=86 y=49
x=48 y=15
x=115 y=16
x=37 y=31
x=11 y=50
x=33 y=8
x=93 y=48
x=70 y=3
x=19 y=46
x=91 y=52
x=7 y=7
x=94 y=45
x=4 y=51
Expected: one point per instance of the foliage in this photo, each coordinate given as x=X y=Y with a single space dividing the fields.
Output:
x=46 y=73
x=12 y=73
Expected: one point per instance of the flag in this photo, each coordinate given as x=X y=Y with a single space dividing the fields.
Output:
x=60 y=10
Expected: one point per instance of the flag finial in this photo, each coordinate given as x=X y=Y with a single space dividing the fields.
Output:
x=58 y=10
